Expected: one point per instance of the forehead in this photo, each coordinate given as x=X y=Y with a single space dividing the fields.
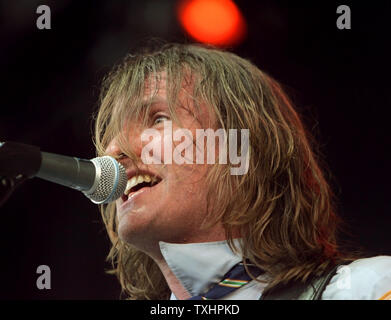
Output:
x=175 y=95
x=159 y=84
x=160 y=89
x=155 y=85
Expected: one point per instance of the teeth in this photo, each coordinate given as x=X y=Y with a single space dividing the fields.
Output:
x=134 y=181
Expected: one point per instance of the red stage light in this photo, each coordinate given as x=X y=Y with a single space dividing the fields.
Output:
x=218 y=22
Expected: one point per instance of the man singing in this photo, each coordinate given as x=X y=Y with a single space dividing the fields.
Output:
x=225 y=197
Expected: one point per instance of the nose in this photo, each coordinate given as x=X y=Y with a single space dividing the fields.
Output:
x=113 y=149
x=132 y=141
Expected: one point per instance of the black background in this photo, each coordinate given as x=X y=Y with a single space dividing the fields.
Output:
x=50 y=82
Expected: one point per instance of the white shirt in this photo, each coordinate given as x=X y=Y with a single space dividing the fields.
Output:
x=199 y=266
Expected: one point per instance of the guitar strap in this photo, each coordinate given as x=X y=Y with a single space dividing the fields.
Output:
x=295 y=290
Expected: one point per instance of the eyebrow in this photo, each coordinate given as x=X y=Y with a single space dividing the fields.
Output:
x=155 y=100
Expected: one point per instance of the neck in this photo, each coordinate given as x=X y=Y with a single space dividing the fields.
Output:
x=174 y=284
x=153 y=250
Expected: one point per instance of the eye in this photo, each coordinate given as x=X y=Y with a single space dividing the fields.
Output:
x=160 y=118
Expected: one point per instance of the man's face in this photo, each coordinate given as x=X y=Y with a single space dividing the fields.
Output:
x=173 y=209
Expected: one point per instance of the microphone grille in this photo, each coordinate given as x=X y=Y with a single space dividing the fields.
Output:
x=111 y=180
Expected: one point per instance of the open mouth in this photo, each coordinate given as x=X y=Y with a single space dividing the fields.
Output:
x=138 y=182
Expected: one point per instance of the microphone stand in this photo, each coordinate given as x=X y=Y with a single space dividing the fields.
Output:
x=18 y=162
x=8 y=186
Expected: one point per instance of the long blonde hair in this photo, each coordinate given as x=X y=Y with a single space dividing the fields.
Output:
x=283 y=206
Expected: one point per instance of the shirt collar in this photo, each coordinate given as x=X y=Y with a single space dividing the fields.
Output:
x=198 y=266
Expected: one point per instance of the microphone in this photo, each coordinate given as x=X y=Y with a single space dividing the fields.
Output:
x=102 y=179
